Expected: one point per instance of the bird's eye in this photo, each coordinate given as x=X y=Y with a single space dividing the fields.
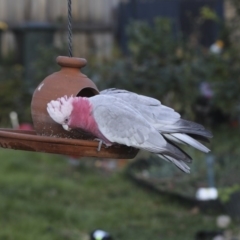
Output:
x=66 y=120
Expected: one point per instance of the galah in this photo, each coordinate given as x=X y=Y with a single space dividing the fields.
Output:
x=114 y=120
x=164 y=119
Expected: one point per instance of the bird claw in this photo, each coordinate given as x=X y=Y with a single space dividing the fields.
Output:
x=100 y=144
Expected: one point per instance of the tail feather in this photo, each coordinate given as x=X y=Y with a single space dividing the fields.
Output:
x=184 y=126
x=188 y=158
x=199 y=138
x=178 y=163
x=185 y=139
x=174 y=151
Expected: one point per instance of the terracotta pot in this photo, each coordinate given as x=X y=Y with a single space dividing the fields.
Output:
x=68 y=81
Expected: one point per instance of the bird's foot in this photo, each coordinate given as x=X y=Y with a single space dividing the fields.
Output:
x=100 y=144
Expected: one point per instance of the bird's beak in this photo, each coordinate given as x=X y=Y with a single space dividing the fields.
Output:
x=66 y=127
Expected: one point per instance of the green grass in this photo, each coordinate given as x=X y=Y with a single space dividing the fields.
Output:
x=43 y=197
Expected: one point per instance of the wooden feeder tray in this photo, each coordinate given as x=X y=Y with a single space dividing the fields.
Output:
x=50 y=137
x=28 y=140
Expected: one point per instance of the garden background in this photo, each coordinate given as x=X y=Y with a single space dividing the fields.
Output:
x=187 y=56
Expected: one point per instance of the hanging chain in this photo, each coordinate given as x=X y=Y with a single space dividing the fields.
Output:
x=70 y=28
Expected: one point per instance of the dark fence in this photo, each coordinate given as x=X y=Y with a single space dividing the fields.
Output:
x=181 y=12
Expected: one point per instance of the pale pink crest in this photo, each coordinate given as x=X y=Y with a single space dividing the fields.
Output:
x=60 y=109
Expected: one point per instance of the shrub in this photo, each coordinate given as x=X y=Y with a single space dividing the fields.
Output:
x=171 y=69
x=13 y=95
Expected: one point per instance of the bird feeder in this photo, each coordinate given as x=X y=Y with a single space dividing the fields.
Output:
x=49 y=136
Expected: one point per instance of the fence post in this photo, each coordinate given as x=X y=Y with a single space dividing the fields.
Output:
x=30 y=36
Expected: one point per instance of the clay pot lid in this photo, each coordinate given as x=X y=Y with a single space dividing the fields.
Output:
x=50 y=137
x=28 y=140
x=71 y=62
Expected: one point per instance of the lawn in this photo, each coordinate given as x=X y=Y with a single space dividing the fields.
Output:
x=43 y=197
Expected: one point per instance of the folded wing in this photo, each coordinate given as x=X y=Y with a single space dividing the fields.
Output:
x=164 y=119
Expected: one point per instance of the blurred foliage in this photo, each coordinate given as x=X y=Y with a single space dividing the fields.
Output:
x=161 y=64
x=158 y=65
x=13 y=95
x=171 y=68
x=225 y=193
x=207 y=13
x=233 y=22
x=16 y=93
x=46 y=63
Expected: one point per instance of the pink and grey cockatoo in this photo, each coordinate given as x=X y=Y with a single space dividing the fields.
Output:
x=119 y=116
x=164 y=119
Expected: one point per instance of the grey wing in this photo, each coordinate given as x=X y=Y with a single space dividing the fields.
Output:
x=131 y=97
x=122 y=124
x=158 y=115
x=149 y=107
x=111 y=91
x=167 y=121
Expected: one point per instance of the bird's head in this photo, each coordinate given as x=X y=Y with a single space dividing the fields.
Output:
x=60 y=110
